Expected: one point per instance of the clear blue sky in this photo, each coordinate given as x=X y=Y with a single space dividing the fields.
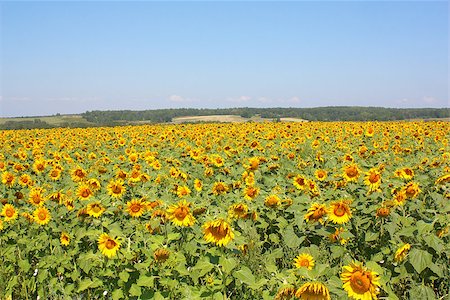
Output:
x=69 y=57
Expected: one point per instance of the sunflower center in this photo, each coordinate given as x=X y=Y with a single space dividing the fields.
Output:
x=373 y=178
x=54 y=173
x=219 y=232
x=116 y=189
x=36 y=199
x=181 y=213
x=351 y=172
x=110 y=244
x=318 y=213
x=9 y=212
x=42 y=215
x=135 y=208
x=304 y=263
x=360 y=282
x=300 y=181
x=79 y=173
x=85 y=193
x=96 y=208
x=339 y=211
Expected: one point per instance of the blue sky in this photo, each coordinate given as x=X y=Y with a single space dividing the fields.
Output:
x=69 y=57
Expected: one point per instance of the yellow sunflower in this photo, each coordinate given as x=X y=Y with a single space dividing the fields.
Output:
x=285 y=293
x=250 y=192
x=108 y=245
x=161 y=255
x=218 y=232
x=373 y=179
x=180 y=214
x=412 y=190
x=300 y=182
x=36 y=196
x=313 y=291
x=136 y=207
x=351 y=172
x=304 y=260
x=443 y=179
x=339 y=212
x=84 y=192
x=198 y=185
x=94 y=184
x=42 y=215
x=237 y=211
x=183 y=191
x=64 y=239
x=321 y=175
x=401 y=252
x=55 y=174
x=272 y=201
x=316 y=212
x=359 y=282
x=9 y=212
x=116 y=189
x=8 y=179
x=220 y=188
x=78 y=174
x=25 y=180
x=95 y=209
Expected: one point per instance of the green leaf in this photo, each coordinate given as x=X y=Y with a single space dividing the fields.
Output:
x=124 y=275
x=146 y=281
x=117 y=294
x=434 y=242
x=422 y=292
x=135 y=290
x=245 y=275
x=420 y=259
x=371 y=236
x=228 y=264
x=24 y=265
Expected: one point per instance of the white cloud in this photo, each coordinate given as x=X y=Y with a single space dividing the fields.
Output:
x=429 y=100
x=176 y=98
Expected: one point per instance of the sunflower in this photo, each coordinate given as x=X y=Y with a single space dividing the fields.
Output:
x=116 y=189
x=41 y=215
x=220 y=188
x=399 y=198
x=300 y=182
x=36 y=196
x=313 y=291
x=55 y=174
x=351 y=172
x=94 y=184
x=95 y=209
x=407 y=173
x=218 y=232
x=64 y=239
x=198 y=185
x=373 y=179
x=39 y=166
x=161 y=255
x=401 y=252
x=8 y=179
x=339 y=212
x=443 y=179
x=285 y=293
x=304 y=260
x=9 y=212
x=237 y=211
x=78 y=174
x=180 y=214
x=272 y=201
x=316 y=213
x=108 y=245
x=136 y=207
x=321 y=175
x=84 y=192
x=25 y=180
x=250 y=192
x=1 y=225
x=383 y=212
x=359 y=282
x=183 y=191
x=411 y=190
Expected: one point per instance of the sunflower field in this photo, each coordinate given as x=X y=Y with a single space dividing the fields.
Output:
x=313 y=210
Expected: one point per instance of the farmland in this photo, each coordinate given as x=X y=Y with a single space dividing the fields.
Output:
x=307 y=210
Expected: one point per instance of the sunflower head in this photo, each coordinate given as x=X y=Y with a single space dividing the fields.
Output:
x=316 y=213
x=313 y=291
x=9 y=212
x=238 y=210
x=351 y=172
x=218 y=232
x=108 y=245
x=304 y=260
x=360 y=282
x=401 y=252
x=161 y=255
x=285 y=293
x=136 y=207
x=95 y=209
x=339 y=212
x=180 y=214
x=42 y=215
x=64 y=239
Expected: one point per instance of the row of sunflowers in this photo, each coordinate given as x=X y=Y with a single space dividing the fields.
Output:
x=226 y=211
